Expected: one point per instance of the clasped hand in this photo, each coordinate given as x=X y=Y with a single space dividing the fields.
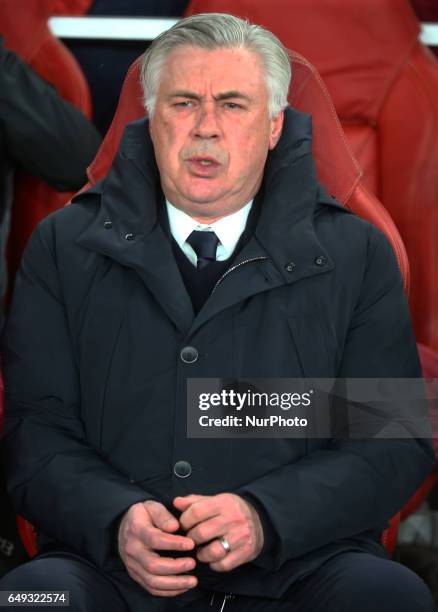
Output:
x=148 y=528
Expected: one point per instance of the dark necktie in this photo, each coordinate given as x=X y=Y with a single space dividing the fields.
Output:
x=204 y=244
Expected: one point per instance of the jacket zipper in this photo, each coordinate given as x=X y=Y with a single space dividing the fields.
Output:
x=224 y=603
x=226 y=598
x=242 y=263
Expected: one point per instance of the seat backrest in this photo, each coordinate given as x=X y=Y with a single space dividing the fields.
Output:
x=336 y=166
x=384 y=85
x=23 y=25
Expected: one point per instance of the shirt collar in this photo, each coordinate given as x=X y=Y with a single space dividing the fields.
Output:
x=228 y=229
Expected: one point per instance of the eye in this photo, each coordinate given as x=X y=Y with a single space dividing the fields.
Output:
x=183 y=104
x=232 y=105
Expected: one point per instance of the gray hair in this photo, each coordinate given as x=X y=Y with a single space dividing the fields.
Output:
x=219 y=31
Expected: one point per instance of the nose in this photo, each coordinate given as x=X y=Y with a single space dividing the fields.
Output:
x=206 y=126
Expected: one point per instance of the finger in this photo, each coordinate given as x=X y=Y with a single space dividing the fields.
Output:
x=153 y=563
x=199 y=511
x=152 y=579
x=208 y=530
x=212 y=552
x=161 y=517
x=139 y=578
x=137 y=533
x=182 y=503
x=170 y=583
x=159 y=540
x=228 y=563
x=167 y=593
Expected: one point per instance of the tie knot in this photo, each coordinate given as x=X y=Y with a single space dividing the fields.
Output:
x=204 y=243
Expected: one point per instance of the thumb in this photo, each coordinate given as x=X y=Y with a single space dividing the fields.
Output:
x=161 y=517
x=182 y=503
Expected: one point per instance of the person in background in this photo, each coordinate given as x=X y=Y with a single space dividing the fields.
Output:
x=41 y=133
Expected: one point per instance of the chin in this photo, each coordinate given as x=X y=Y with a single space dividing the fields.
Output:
x=202 y=198
x=202 y=189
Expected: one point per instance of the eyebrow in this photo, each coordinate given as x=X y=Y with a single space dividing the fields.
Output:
x=226 y=95
x=232 y=94
x=184 y=94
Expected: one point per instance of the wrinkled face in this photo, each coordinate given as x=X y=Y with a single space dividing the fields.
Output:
x=211 y=129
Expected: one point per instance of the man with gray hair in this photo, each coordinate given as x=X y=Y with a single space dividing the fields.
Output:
x=209 y=251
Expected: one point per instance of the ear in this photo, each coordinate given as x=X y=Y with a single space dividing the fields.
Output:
x=276 y=128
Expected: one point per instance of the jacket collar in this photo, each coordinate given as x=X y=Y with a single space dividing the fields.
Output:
x=292 y=199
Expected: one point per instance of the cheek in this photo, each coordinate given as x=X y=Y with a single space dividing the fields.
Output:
x=170 y=156
x=163 y=135
x=254 y=138
x=249 y=155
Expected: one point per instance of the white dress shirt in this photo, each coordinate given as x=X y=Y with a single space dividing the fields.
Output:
x=228 y=230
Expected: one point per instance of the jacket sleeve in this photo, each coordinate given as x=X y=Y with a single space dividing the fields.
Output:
x=352 y=485
x=55 y=478
x=42 y=132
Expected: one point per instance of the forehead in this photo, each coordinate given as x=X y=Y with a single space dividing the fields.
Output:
x=220 y=69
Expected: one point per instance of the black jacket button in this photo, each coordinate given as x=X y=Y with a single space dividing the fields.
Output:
x=182 y=469
x=290 y=267
x=189 y=354
x=130 y=236
x=107 y=225
x=321 y=260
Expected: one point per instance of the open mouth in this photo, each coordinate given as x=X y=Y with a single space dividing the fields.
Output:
x=204 y=161
x=203 y=166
